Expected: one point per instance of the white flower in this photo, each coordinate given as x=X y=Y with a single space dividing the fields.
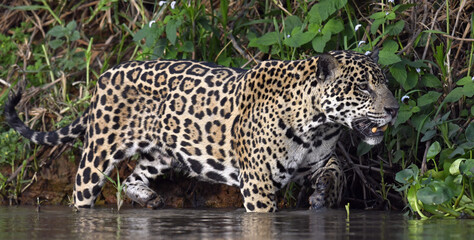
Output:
x=151 y=23
x=357 y=27
x=288 y=36
x=418 y=70
x=360 y=43
x=387 y=13
x=405 y=98
x=319 y=30
x=391 y=1
x=173 y=3
x=368 y=53
x=472 y=78
x=161 y=3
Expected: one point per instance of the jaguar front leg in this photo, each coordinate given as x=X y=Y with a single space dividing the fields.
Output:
x=257 y=190
x=328 y=183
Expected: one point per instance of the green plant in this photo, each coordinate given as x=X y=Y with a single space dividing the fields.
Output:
x=294 y=34
x=185 y=27
x=120 y=187
x=65 y=36
x=289 y=194
x=435 y=112
x=12 y=151
x=445 y=192
x=347 y=207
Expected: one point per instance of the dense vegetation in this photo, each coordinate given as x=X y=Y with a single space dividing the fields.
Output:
x=57 y=50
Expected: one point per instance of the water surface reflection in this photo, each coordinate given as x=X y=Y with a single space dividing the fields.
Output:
x=136 y=223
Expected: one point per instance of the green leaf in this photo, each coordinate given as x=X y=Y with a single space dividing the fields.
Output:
x=319 y=42
x=268 y=39
x=314 y=16
x=171 y=30
x=433 y=150
x=403 y=115
x=428 y=135
x=333 y=26
x=159 y=49
x=390 y=46
x=402 y=7
x=140 y=34
x=291 y=22
x=453 y=129
x=415 y=109
x=454 y=168
x=56 y=43
x=152 y=37
x=422 y=119
x=395 y=29
x=470 y=132
x=399 y=154
x=467 y=168
x=428 y=98
x=415 y=64
x=299 y=39
x=429 y=80
x=391 y=16
x=454 y=183
x=388 y=57
x=406 y=176
x=375 y=25
x=461 y=149
x=71 y=26
x=378 y=15
x=468 y=90
x=323 y=9
x=363 y=148
x=399 y=73
x=412 y=80
x=57 y=31
x=454 y=95
x=187 y=47
x=465 y=80
x=435 y=193
x=412 y=199
x=75 y=36
x=254 y=43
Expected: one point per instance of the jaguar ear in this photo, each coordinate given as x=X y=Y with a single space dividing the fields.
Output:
x=375 y=55
x=327 y=65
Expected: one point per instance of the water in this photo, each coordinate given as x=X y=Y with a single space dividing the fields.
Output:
x=136 y=223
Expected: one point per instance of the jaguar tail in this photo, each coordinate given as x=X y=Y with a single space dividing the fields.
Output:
x=60 y=136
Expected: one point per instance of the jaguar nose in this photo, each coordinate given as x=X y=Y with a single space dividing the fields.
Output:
x=393 y=111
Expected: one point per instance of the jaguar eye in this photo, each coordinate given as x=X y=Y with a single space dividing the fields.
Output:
x=363 y=87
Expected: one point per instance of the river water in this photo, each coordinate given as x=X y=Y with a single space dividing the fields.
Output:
x=54 y=222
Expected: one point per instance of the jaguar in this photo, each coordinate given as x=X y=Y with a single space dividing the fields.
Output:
x=256 y=129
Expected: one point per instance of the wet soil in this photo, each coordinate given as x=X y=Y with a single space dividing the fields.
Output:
x=53 y=185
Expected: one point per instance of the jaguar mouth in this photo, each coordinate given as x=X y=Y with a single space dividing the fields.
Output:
x=379 y=129
x=367 y=128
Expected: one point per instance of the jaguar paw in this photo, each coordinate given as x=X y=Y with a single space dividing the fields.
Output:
x=156 y=202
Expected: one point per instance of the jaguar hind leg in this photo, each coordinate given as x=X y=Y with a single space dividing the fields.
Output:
x=150 y=166
x=328 y=184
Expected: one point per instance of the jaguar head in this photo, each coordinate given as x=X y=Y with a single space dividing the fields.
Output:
x=354 y=93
